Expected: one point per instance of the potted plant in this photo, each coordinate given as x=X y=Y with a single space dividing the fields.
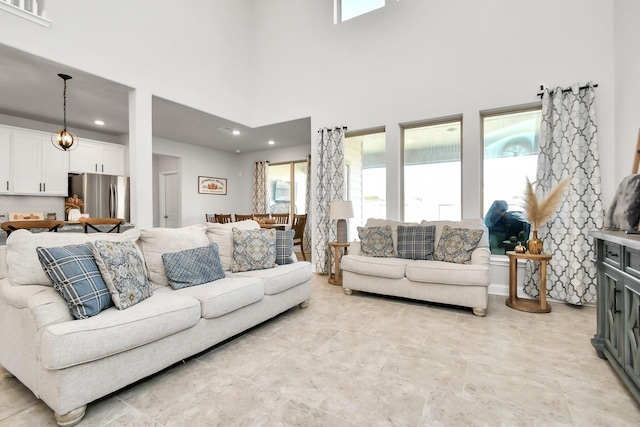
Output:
x=538 y=212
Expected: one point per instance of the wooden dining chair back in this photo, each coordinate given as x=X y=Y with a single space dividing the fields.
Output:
x=281 y=218
x=223 y=218
x=90 y=225
x=261 y=216
x=299 y=223
x=49 y=225
x=240 y=217
x=209 y=217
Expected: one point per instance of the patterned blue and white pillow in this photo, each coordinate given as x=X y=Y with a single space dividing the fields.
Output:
x=74 y=273
x=416 y=241
x=124 y=272
x=193 y=267
x=457 y=244
x=284 y=247
x=376 y=241
x=253 y=249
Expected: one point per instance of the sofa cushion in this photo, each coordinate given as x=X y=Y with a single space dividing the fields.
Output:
x=282 y=277
x=74 y=273
x=253 y=249
x=22 y=258
x=222 y=235
x=474 y=223
x=156 y=241
x=193 y=266
x=448 y=273
x=376 y=241
x=456 y=244
x=123 y=271
x=113 y=331
x=225 y=295
x=392 y=268
x=284 y=247
x=416 y=242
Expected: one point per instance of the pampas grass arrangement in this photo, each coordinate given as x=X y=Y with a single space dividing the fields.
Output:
x=538 y=212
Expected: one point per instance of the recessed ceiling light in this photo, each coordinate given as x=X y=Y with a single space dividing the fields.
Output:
x=236 y=132
x=99 y=122
x=238 y=151
x=271 y=142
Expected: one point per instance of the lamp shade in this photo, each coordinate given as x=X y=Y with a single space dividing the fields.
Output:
x=340 y=209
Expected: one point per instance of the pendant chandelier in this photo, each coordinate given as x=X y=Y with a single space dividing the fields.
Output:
x=62 y=139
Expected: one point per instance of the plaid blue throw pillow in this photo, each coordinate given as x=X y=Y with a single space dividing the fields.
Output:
x=74 y=273
x=193 y=266
x=416 y=241
x=284 y=246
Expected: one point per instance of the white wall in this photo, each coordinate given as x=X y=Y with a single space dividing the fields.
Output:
x=194 y=52
x=199 y=161
x=415 y=60
x=627 y=70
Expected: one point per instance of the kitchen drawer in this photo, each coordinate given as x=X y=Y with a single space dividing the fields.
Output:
x=632 y=262
x=613 y=254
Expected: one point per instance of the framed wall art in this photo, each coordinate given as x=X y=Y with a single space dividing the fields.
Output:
x=211 y=185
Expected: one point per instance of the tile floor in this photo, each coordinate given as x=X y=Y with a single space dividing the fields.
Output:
x=374 y=361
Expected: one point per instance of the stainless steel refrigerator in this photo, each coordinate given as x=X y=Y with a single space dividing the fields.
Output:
x=104 y=196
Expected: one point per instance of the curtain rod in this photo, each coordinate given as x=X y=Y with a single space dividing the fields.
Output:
x=344 y=128
x=564 y=90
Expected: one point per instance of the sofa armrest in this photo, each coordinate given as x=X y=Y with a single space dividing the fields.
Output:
x=481 y=256
x=354 y=248
x=44 y=302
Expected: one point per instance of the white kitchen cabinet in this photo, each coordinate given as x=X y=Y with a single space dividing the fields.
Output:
x=97 y=157
x=6 y=180
x=38 y=167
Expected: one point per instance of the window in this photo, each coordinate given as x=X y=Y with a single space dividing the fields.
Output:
x=366 y=177
x=510 y=156
x=432 y=171
x=287 y=182
x=347 y=9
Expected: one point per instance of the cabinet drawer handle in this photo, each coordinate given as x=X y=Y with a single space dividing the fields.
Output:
x=40 y=187
x=96 y=167
x=615 y=301
x=612 y=254
x=7 y=185
x=44 y=187
x=102 y=168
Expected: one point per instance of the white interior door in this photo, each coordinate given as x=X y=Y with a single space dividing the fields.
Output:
x=169 y=199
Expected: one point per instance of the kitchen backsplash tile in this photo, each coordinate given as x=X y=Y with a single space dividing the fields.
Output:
x=31 y=203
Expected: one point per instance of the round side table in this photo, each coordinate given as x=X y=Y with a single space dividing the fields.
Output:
x=524 y=304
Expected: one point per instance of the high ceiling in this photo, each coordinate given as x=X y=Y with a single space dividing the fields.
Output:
x=30 y=88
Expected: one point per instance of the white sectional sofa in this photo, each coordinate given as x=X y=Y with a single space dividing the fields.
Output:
x=69 y=363
x=426 y=280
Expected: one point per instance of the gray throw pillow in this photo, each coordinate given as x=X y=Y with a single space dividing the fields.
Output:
x=124 y=272
x=416 y=241
x=456 y=244
x=376 y=241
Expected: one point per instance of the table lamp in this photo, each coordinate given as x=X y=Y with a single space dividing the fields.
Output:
x=341 y=210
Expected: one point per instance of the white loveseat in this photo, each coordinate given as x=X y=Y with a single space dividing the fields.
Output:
x=69 y=363
x=426 y=280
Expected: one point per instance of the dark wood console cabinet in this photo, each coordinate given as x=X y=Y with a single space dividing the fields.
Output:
x=618 y=335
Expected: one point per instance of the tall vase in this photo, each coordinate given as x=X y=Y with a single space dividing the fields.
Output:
x=534 y=244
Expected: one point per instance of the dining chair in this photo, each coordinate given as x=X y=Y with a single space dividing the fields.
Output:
x=299 y=222
x=281 y=218
x=261 y=216
x=223 y=218
x=50 y=225
x=240 y=217
x=209 y=217
x=92 y=223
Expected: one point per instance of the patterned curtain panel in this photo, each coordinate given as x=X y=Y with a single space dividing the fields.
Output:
x=307 y=227
x=330 y=186
x=569 y=147
x=260 y=181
